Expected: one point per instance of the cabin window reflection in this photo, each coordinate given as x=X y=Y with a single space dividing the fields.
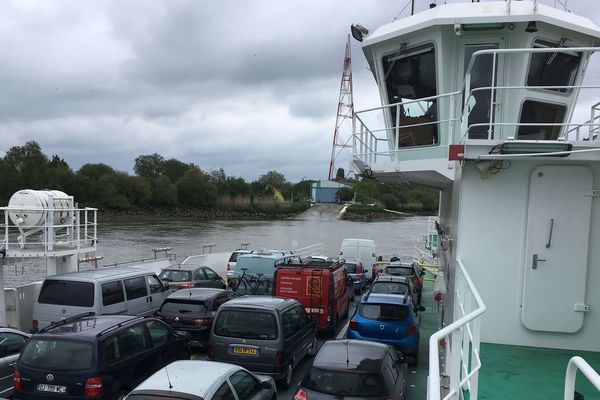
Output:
x=539 y=112
x=409 y=75
x=553 y=69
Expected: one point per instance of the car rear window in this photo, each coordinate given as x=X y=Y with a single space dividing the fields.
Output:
x=246 y=324
x=257 y=265
x=381 y=312
x=346 y=383
x=399 y=271
x=354 y=268
x=389 y=288
x=177 y=275
x=67 y=293
x=234 y=256
x=183 y=307
x=58 y=355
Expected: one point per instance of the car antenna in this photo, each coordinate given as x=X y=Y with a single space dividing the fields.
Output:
x=168 y=378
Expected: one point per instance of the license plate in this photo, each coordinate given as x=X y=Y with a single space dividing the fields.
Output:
x=245 y=350
x=42 y=387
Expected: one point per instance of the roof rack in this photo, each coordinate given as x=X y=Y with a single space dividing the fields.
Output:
x=120 y=324
x=66 y=321
x=309 y=262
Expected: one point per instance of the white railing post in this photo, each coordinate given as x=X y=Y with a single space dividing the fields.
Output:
x=576 y=363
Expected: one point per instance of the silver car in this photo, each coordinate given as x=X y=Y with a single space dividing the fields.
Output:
x=204 y=380
x=12 y=342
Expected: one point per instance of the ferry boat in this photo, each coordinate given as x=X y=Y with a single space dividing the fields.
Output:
x=487 y=102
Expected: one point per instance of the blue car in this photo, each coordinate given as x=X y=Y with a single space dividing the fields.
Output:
x=356 y=271
x=389 y=319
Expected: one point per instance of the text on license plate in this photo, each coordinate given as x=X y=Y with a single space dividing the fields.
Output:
x=245 y=350
x=42 y=387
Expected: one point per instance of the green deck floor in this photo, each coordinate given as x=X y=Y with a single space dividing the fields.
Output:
x=508 y=372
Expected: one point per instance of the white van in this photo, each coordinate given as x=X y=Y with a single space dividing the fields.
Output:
x=362 y=250
x=118 y=290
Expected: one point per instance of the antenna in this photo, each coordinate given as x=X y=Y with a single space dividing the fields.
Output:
x=345 y=113
x=168 y=378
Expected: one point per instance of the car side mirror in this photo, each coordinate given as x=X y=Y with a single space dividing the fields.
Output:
x=166 y=285
x=421 y=308
x=266 y=385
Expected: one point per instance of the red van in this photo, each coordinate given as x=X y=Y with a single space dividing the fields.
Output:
x=320 y=285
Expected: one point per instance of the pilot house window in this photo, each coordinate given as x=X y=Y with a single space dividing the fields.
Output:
x=553 y=69
x=551 y=115
x=409 y=75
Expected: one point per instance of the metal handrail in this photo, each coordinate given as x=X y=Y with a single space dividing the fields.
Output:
x=465 y=333
x=578 y=363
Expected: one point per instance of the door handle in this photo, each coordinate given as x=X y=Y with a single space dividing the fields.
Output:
x=534 y=263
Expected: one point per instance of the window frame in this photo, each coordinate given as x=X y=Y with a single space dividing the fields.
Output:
x=122 y=299
x=143 y=278
x=250 y=395
x=24 y=338
x=158 y=284
x=543 y=101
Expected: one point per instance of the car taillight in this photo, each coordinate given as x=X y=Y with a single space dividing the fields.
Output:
x=93 y=387
x=417 y=280
x=353 y=324
x=411 y=329
x=374 y=271
x=185 y=285
x=279 y=359
x=228 y=267
x=301 y=395
x=34 y=326
x=210 y=352
x=17 y=380
x=203 y=321
x=233 y=283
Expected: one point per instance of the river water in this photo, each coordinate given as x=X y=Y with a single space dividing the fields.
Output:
x=121 y=241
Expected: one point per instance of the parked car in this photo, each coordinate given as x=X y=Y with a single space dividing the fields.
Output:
x=188 y=276
x=399 y=285
x=355 y=369
x=257 y=264
x=356 y=271
x=193 y=310
x=232 y=262
x=118 y=290
x=266 y=335
x=95 y=356
x=219 y=381
x=411 y=270
x=388 y=319
x=319 y=285
x=363 y=250
x=12 y=342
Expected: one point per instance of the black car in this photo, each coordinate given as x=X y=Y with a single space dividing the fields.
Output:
x=410 y=270
x=95 y=356
x=193 y=310
x=355 y=368
x=188 y=276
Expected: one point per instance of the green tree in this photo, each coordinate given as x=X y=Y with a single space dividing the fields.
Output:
x=340 y=174
x=344 y=194
x=302 y=190
x=175 y=169
x=164 y=192
x=149 y=165
x=195 y=190
x=95 y=171
x=272 y=178
x=24 y=167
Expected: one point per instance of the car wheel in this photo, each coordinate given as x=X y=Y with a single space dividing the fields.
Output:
x=312 y=350
x=286 y=381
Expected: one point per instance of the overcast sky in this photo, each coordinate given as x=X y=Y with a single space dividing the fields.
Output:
x=248 y=86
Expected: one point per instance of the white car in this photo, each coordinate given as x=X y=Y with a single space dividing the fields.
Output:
x=233 y=262
x=204 y=380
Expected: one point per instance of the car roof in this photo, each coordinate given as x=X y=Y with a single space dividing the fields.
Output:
x=360 y=355
x=182 y=376
x=384 y=298
x=195 y=294
x=100 y=274
x=11 y=330
x=88 y=327
x=401 y=264
x=183 y=267
x=266 y=302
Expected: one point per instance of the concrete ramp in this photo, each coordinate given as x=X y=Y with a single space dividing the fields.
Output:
x=321 y=212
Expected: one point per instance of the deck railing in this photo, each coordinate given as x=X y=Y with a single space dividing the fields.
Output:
x=464 y=334
x=578 y=363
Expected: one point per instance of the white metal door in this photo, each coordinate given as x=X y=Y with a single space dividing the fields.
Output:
x=556 y=250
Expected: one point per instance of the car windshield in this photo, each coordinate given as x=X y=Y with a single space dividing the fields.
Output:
x=346 y=383
x=246 y=324
x=381 y=312
x=175 y=275
x=173 y=306
x=390 y=288
x=399 y=271
x=58 y=355
x=67 y=293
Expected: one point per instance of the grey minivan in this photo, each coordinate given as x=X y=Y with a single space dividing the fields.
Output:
x=115 y=290
x=266 y=335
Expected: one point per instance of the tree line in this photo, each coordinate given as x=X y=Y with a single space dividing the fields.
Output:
x=157 y=183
